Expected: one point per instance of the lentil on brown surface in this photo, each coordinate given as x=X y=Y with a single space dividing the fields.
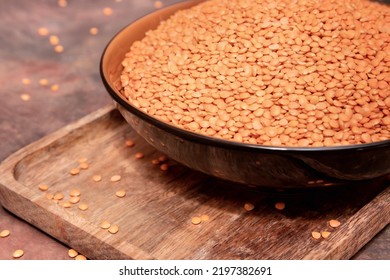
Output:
x=280 y=73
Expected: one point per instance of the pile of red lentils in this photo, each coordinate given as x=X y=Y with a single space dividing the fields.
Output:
x=302 y=73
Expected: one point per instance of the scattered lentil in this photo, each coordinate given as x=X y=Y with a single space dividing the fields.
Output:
x=18 y=253
x=115 y=178
x=58 y=196
x=316 y=235
x=72 y=253
x=74 y=192
x=120 y=193
x=113 y=229
x=26 y=81
x=67 y=204
x=249 y=206
x=58 y=49
x=93 y=31
x=280 y=205
x=62 y=3
x=107 y=11
x=158 y=4
x=105 y=225
x=74 y=199
x=25 y=97
x=4 y=233
x=43 y=187
x=43 y=82
x=82 y=159
x=130 y=143
x=139 y=155
x=325 y=234
x=49 y=196
x=43 y=31
x=54 y=40
x=164 y=167
x=334 y=223
x=196 y=220
x=205 y=218
x=233 y=64
x=80 y=257
x=55 y=87
x=83 y=206
x=97 y=178
x=74 y=171
x=84 y=165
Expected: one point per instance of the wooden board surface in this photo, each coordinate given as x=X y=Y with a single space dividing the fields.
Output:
x=154 y=217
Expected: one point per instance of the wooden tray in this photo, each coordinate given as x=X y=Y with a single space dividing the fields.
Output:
x=154 y=217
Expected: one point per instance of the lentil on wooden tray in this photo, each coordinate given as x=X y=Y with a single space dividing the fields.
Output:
x=283 y=73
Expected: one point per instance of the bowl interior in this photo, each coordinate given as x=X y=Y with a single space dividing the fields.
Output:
x=111 y=64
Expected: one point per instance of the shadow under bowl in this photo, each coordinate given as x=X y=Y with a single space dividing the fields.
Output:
x=264 y=166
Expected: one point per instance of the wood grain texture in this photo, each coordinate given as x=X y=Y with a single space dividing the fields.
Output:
x=155 y=215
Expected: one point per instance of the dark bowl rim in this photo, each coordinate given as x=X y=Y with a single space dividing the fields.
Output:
x=208 y=140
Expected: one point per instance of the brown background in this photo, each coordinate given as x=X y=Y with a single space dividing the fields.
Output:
x=25 y=54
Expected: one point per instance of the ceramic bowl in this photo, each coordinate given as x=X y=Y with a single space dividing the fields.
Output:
x=265 y=166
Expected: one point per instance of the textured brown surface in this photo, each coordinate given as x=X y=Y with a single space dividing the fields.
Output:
x=25 y=54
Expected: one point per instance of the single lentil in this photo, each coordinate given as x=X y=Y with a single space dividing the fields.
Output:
x=196 y=220
x=280 y=205
x=280 y=82
x=249 y=206
x=18 y=253
x=80 y=257
x=74 y=171
x=26 y=81
x=55 y=87
x=120 y=193
x=43 y=187
x=107 y=11
x=105 y=225
x=316 y=235
x=130 y=143
x=164 y=167
x=84 y=165
x=58 y=196
x=67 y=204
x=204 y=218
x=72 y=253
x=83 y=206
x=43 y=82
x=113 y=229
x=4 y=233
x=93 y=31
x=334 y=223
x=25 y=97
x=158 y=4
x=139 y=155
x=58 y=49
x=62 y=3
x=43 y=31
x=74 y=192
x=74 y=199
x=115 y=178
x=97 y=178
x=325 y=234
x=54 y=40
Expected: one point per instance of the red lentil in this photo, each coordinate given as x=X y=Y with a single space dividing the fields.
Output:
x=334 y=223
x=72 y=253
x=18 y=253
x=4 y=233
x=227 y=57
